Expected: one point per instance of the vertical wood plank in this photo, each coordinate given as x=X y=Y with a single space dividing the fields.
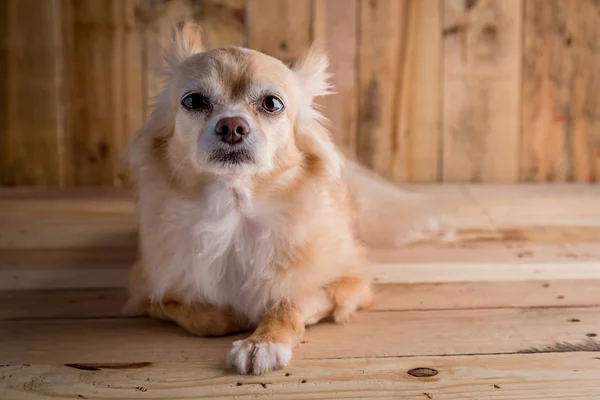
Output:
x=381 y=48
x=132 y=82
x=482 y=90
x=583 y=32
x=158 y=18
x=31 y=115
x=542 y=152
x=222 y=23
x=281 y=29
x=5 y=178
x=104 y=70
x=417 y=157
x=561 y=96
x=335 y=26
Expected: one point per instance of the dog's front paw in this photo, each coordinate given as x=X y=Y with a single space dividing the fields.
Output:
x=252 y=356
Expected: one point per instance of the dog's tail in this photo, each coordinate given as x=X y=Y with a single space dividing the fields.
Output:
x=389 y=216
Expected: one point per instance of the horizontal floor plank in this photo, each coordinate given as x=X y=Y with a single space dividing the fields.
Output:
x=474 y=272
x=82 y=278
x=67 y=235
x=509 y=377
x=36 y=259
x=374 y=334
x=36 y=193
x=69 y=303
x=108 y=302
x=487 y=252
x=480 y=252
x=466 y=295
x=69 y=219
x=40 y=279
x=55 y=233
x=538 y=205
x=108 y=268
x=81 y=219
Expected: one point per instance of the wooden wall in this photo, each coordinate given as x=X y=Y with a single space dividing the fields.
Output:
x=427 y=90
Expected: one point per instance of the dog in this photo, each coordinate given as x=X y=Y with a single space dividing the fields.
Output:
x=250 y=217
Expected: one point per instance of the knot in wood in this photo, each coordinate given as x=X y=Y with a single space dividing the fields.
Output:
x=422 y=372
x=489 y=32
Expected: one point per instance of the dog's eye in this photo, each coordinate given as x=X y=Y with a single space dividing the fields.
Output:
x=272 y=104
x=195 y=101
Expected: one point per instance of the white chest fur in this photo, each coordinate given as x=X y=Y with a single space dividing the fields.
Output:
x=218 y=249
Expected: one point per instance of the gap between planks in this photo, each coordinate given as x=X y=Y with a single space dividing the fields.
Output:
x=509 y=377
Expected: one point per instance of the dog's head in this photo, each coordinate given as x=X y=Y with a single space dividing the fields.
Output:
x=237 y=112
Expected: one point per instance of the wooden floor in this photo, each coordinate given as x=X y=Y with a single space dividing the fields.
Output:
x=511 y=312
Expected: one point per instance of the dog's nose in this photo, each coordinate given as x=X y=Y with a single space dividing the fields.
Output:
x=232 y=129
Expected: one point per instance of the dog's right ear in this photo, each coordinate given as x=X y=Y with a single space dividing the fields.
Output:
x=185 y=42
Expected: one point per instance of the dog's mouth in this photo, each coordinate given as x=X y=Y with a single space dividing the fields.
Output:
x=229 y=157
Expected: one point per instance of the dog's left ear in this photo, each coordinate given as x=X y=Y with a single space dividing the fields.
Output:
x=311 y=69
x=311 y=135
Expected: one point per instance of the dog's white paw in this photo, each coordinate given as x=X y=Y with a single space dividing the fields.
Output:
x=247 y=357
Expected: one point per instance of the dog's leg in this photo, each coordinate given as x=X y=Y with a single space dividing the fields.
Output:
x=349 y=294
x=270 y=346
x=338 y=300
x=198 y=319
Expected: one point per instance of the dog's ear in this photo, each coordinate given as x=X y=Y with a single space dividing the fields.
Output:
x=311 y=135
x=186 y=41
x=311 y=69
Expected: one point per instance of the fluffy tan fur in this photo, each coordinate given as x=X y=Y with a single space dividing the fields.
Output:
x=272 y=243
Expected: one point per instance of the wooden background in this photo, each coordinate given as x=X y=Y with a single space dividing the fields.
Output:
x=427 y=90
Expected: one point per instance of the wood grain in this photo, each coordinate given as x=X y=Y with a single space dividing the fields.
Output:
x=375 y=334
x=281 y=29
x=98 y=253
x=383 y=27
x=417 y=156
x=41 y=279
x=566 y=213
x=65 y=303
x=585 y=94
x=547 y=206
x=111 y=275
x=427 y=90
x=223 y=23
x=103 y=67
x=335 y=27
x=489 y=252
x=95 y=302
x=543 y=154
x=497 y=318
x=101 y=267
x=510 y=377
x=68 y=222
x=482 y=90
x=67 y=259
x=490 y=271
x=31 y=85
x=560 y=100
x=157 y=21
